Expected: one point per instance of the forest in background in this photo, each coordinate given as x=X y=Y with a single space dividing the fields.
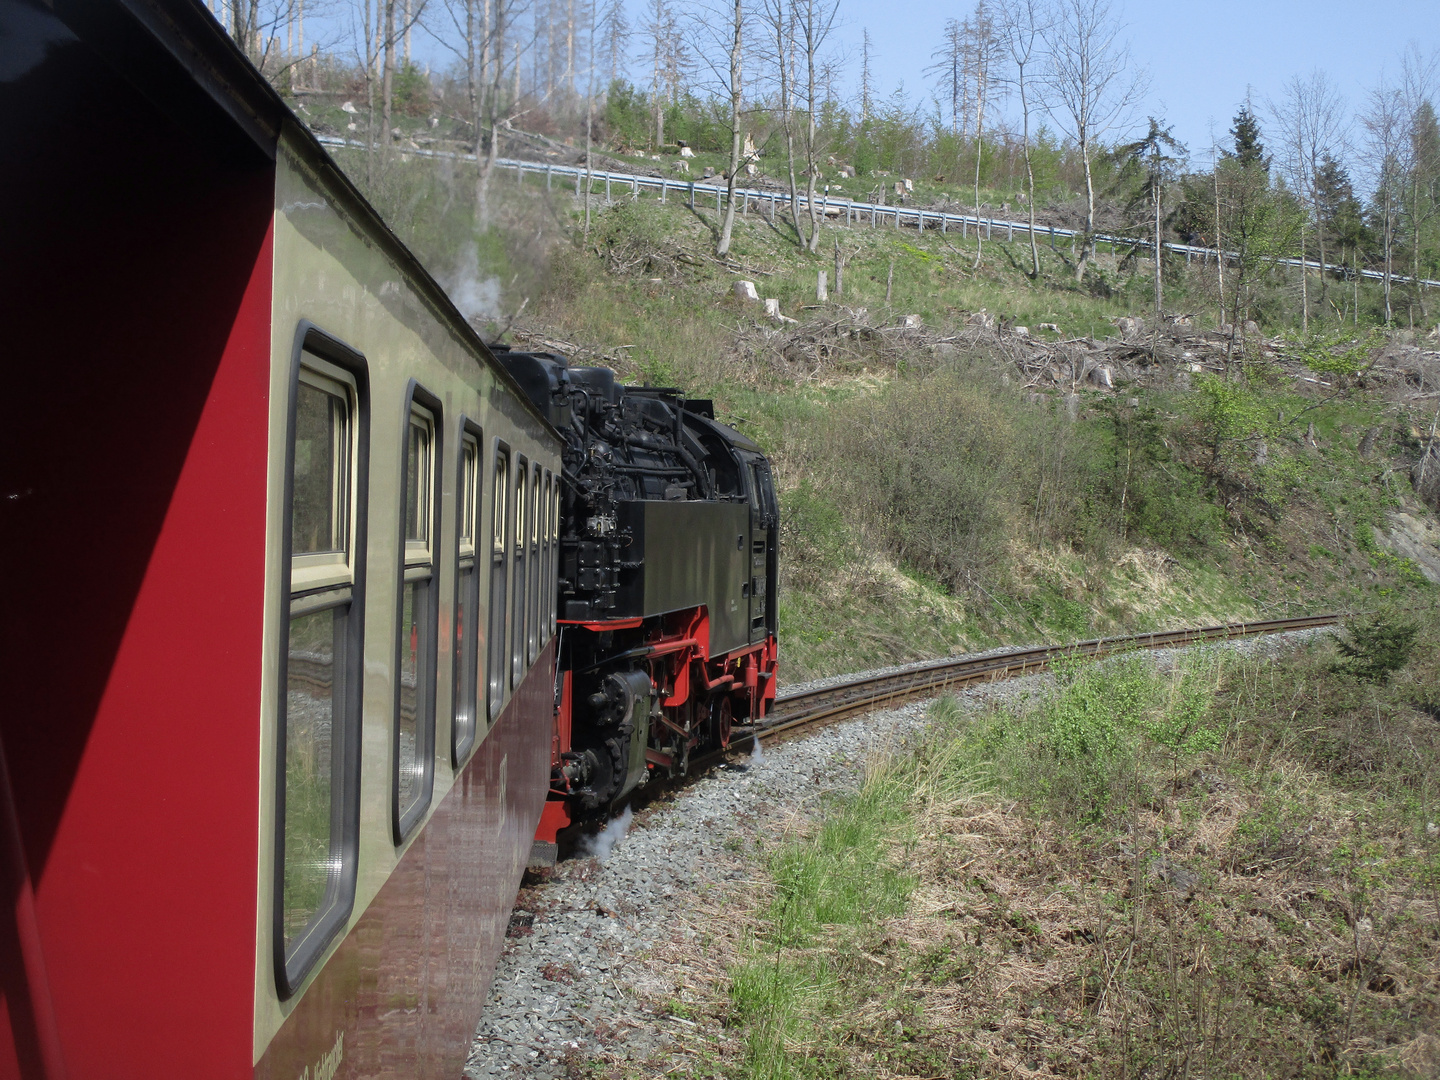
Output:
x=1032 y=107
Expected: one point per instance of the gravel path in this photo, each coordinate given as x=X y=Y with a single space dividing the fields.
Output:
x=574 y=984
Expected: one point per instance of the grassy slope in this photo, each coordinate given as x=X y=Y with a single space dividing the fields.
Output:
x=643 y=295
x=1226 y=870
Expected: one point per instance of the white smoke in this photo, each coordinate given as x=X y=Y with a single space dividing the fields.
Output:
x=757 y=754
x=600 y=845
x=476 y=297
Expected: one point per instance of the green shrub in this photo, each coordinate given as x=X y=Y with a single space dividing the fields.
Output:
x=943 y=470
x=1377 y=647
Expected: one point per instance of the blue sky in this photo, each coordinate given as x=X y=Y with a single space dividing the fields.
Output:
x=1200 y=56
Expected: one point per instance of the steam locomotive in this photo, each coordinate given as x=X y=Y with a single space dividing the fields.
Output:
x=667 y=576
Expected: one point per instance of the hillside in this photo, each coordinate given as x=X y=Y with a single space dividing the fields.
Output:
x=968 y=456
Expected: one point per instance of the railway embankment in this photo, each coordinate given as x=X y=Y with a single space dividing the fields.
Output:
x=967 y=456
x=1215 y=852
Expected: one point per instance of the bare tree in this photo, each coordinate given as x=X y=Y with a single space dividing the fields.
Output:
x=615 y=29
x=778 y=19
x=1384 y=124
x=814 y=20
x=953 y=74
x=1311 y=119
x=1021 y=28
x=718 y=33
x=867 y=85
x=983 y=50
x=669 y=61
x=475 y=32
x=1090 y=89
x=1419 y=75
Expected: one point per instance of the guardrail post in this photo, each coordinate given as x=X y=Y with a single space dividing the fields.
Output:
x=944 y=221
x=547 y=175
x=607 y=189
x=635 y=187
x=664 y=186
x=577 y=185
x=519 y=174
x=718 y=196
x=964 y=229
x=988 y=224
x=1009 y=231
x=897 y=218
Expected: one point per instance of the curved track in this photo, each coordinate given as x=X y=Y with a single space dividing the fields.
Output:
x=831 y=703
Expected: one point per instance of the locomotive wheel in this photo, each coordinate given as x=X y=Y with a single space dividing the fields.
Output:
x=720 y=716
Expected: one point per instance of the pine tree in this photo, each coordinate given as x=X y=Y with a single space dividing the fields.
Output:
x=1249 y=150
x=1339 y=217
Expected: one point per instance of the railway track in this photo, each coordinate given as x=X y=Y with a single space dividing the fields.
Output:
x=828 y=704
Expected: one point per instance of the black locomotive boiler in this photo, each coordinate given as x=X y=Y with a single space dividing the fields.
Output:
x=667 y=577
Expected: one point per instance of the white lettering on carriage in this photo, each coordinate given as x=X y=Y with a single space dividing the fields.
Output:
x=329 y=1065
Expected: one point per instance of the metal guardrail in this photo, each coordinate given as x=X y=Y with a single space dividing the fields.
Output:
x=855 y=212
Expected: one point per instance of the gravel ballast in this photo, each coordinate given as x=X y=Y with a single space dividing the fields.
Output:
x=576 y=984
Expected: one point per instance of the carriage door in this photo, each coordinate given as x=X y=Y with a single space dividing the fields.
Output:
x=763 y=521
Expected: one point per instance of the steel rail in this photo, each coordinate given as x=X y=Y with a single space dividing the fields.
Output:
x=878 y=213
x=830 y=703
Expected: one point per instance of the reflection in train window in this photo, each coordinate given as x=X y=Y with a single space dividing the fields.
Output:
x=537 y=575
x=318 y=715
x=414 y=736
x=554 y=586
x=497 y=663
x=545 y=562
x=466 y=636
x=517 y=620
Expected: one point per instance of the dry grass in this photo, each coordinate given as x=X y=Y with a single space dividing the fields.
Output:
x=1254 y=912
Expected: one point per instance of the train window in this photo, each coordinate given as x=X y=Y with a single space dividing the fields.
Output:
x=466 y=679
x=554 y=585
x=521 y=562
x=537 y=574
x=545 y=561
x=496 y=662
x=413 y=743
x=317 y=762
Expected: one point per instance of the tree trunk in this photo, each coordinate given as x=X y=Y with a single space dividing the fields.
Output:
x=979 y=151
x=728 y=225
x=388 y=83
x=487 y=144
x=1389 y=242
x=1304 y=285
x=787 y=117
x=1155 y=196
x=1219 y=246
x=1029 y=178
x=811 y=164
x=1087 y=242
